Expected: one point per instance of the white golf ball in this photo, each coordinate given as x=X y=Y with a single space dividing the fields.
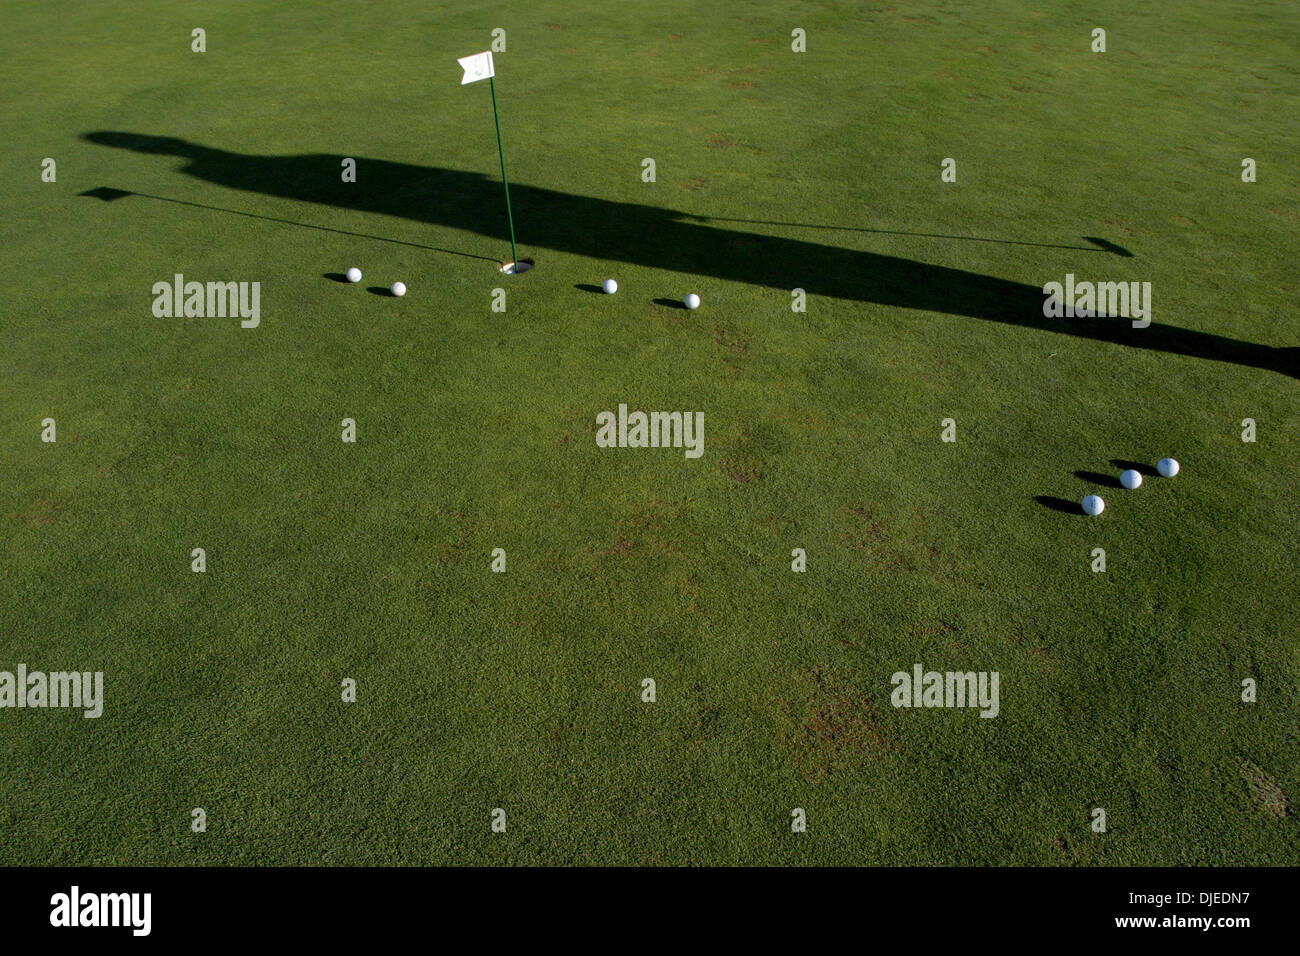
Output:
x=1167 y=467
x=1131 y=479
x=610 y=286
x=398 y=288
x=692 y=301
x=1093 y=505
x=354 y=274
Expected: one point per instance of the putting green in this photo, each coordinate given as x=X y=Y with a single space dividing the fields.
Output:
x=474 y=403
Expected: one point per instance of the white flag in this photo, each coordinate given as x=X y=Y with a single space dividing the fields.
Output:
x=477 y=67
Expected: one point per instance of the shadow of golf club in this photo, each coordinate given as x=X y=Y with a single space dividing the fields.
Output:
x=1098 y=245
x=109 y=194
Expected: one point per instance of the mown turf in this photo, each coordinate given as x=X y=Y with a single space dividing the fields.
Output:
x=775 y=170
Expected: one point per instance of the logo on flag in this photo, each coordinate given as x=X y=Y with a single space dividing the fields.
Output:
x=477 y=67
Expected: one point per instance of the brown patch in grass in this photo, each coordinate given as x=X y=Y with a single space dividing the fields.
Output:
x=735 y=342
x=641 y=531
x=456 y=538
x=1068 y=854
x=935 y=629
x=835 y=730
x=1266 y=797
x=726 y=142
x=1019 y=641
x=867 y=534
x=43 y=513
x=702 y=723
x=740 y=471
x=904 y=551
x=691 y=589
x=620 y=548
x=850 y=643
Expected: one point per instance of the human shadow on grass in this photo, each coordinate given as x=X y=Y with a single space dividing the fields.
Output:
x=658 y=238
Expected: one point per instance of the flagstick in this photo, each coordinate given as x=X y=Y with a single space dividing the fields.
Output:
x=505 y=182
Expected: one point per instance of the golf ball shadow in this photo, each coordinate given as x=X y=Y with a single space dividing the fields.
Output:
x=381 y=290
x=1097 y=478
x=1063 y=505
x=588 y=287
x=336 y=276
x=672 y=303
x=1143 y=469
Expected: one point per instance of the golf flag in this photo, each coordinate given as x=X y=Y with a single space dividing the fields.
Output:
x=476 y=67
x=480 y=67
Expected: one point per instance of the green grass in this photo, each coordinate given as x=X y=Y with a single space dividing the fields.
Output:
x=521 y=690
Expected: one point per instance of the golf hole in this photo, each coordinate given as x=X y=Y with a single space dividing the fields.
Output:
x=514 y=268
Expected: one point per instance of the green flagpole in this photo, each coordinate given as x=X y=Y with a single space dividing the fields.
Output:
x=505 y=182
